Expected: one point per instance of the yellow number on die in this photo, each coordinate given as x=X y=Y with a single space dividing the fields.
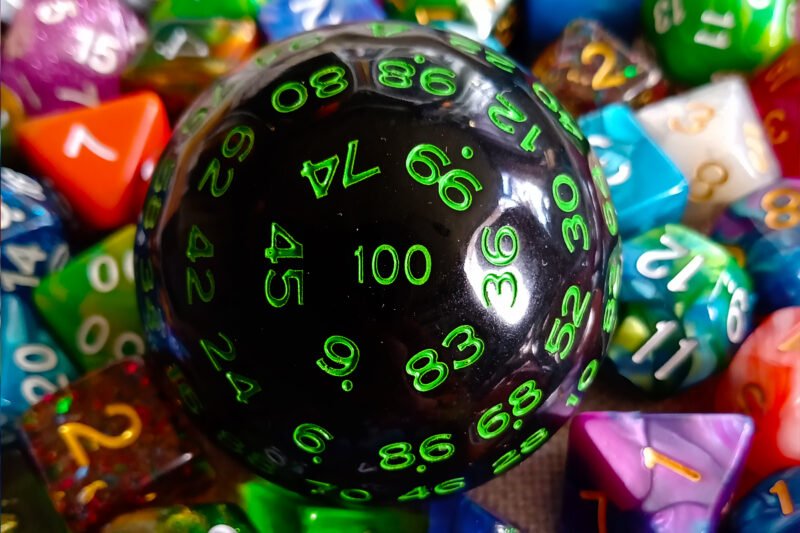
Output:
x=781 y=214
x=707 y=178
x=695 y=120
x=72 y=432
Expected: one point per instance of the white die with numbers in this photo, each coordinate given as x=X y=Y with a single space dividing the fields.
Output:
x=714 y=135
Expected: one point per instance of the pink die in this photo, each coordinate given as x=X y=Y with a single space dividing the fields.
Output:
x=66 y=53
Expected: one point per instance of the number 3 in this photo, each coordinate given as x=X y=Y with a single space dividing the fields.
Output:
x=71 y=432
x=471 y=340
x=498 y=282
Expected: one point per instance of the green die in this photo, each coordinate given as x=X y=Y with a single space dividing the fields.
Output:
x=90 y=305
x=686 y=307
x=275 y=510
x=171 y=10
x=695 y=39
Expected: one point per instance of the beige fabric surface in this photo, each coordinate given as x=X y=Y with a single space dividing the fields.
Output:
x=530 y=494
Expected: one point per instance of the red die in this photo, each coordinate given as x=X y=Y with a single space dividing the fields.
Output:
x=763 y=381
x=776 y=91
x=106 y=445
x=101 y=159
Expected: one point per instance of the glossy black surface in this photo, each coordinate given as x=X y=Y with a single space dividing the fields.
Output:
x=279 y=346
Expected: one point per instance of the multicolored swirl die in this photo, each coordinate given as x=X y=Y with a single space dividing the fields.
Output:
x=763 y=381
x=33 y=243
x=647 y=188
x=686 y=308
x=33 y=365
x=280 y=19
x=660 y=473
x=695 y=39
x=183 y=57
x=773 y=506
x=91 y=306
x=765 y=225
x=776 y=92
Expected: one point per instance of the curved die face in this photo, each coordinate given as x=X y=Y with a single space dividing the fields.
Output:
x=547 y=18
x=765 y=225
x=33 y=242
x=65 y=54
x=91 y=304
x=470 y=32
x=207 y=518
x=271 y=508
x=763 y=381
x=454 y=285
x=714 y=135
x=773 y=506
x=588 y=68
x=686 y=308
x=182 y=58
x=282 y=18
x=647 y=188
x=101 y=168
x=106 y=445
x=775 y=91
x=696 y=39
x=33 y=364
x=651 y=472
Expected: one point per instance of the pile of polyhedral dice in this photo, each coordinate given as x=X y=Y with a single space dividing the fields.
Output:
x=133 y=373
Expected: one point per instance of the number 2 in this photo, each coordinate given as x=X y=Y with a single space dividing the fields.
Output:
x=71 y=432
x=605 y=77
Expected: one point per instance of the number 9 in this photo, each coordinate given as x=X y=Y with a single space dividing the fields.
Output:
x=348 y=362
x=416 y=156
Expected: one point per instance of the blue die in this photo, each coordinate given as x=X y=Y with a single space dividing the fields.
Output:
x=283 y=18
x=33 y=365
x=765 y=227
x=546 y=19
x=33 y=242
x=647 y=188
x=462 y=515
x=772 y=506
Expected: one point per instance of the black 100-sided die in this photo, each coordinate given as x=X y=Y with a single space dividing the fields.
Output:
x=378 y=264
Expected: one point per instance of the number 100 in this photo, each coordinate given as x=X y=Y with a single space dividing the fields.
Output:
x=393 y=274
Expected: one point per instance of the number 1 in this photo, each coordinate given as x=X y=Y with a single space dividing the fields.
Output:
x=780 y=490
x=653 y=458
x=80 y=136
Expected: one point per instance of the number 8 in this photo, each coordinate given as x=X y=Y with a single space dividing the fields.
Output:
x=432 y=365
